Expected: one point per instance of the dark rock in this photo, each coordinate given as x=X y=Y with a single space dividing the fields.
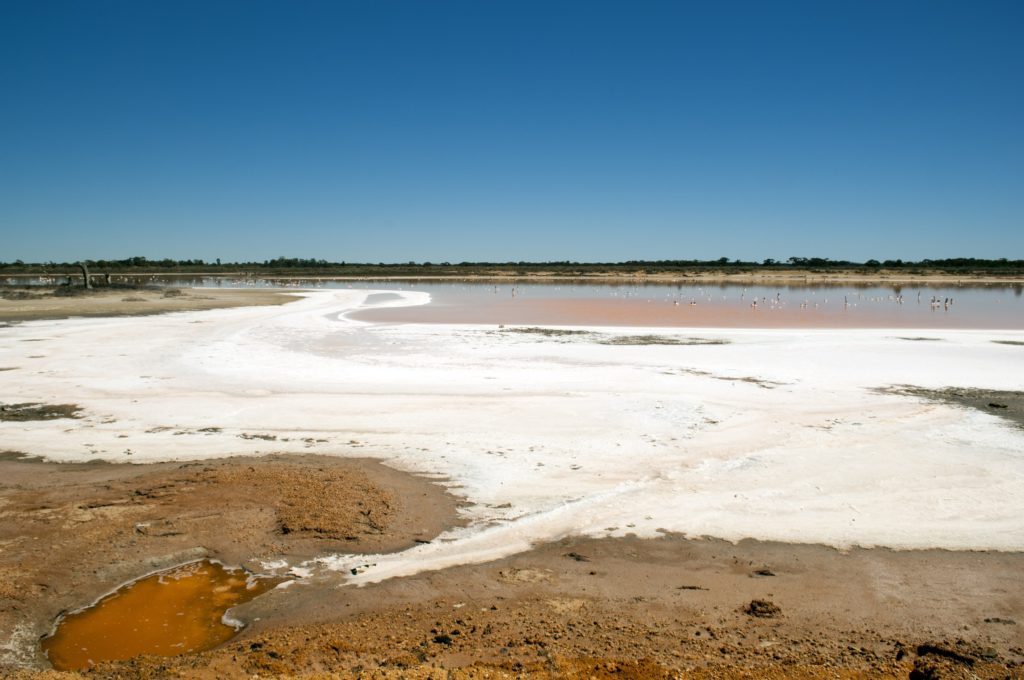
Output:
x=924 y=671
x=944 y=652
x=763 y=609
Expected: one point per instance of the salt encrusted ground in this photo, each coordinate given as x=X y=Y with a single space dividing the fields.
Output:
x=604 y=432
x=768 y=434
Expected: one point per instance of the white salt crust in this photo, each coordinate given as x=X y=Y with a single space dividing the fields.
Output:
x=777 y=435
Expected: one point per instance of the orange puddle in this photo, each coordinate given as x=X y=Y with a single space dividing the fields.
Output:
x=168 y=613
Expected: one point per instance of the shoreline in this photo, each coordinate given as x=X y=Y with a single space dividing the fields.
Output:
x=784 y=277
x=794 y=279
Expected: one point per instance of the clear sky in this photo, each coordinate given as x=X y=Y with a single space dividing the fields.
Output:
x=395 y=131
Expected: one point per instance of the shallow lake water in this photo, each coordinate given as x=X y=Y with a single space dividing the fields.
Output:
x=693 y=305
x=727 y=306
x=700 y=306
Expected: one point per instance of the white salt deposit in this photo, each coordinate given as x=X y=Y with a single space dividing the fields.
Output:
x=778 y=434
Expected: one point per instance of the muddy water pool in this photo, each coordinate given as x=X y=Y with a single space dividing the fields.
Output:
x=177 y=611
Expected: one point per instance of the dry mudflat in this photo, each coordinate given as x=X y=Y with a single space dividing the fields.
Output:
x=606 y=608
x=28 y=304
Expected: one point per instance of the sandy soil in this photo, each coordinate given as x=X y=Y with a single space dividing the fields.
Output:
x=25 y=304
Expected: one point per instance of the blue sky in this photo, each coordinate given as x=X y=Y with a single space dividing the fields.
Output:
x=396 y=131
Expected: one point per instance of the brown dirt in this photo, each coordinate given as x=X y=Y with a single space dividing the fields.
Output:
x=632 y=608
x=578 y=608
x=44 y=304
x=315 y=501
x=72 y=532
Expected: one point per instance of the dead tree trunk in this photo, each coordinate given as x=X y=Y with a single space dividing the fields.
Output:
x=85 y=274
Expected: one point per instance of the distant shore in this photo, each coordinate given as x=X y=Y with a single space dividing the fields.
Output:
x=767 y=276
x=758 y=279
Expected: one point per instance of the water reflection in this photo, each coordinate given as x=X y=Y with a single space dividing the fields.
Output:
x=958 y=304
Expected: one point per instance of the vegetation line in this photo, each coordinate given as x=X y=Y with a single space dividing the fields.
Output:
x=293 y=266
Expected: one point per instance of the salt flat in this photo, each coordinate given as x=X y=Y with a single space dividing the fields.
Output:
x=773 y=434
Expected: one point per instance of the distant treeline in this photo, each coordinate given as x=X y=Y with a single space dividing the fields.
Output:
x=308 y=266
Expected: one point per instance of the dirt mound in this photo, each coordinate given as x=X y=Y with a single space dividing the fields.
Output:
x=321 y=502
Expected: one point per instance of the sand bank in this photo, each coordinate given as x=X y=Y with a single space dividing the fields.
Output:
x=26 y=304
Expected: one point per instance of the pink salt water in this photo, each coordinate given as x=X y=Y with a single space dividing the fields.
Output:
x=731 y=306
